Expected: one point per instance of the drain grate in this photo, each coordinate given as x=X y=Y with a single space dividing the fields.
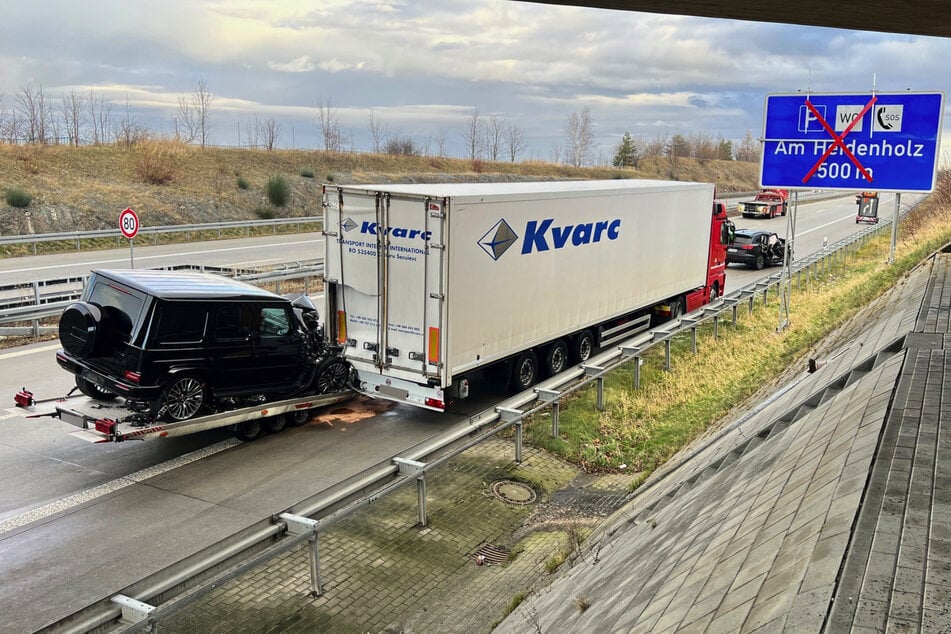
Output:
x=513 y=492
x=490 y=555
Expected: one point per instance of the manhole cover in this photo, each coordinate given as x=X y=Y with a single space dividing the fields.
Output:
x=513 y=492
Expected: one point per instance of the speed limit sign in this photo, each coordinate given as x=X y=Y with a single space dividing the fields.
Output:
x=128 y=223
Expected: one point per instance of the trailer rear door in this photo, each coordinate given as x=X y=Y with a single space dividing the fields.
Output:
x=390 y=327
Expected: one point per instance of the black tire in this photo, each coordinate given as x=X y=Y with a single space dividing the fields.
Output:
x=184 y=397
x=556 y=358
x=92 y=390
x=714 y=292
x=582 y=347
x=78 y=326
x=676 y=309
x=299 y=417
x=524 y=371
x=274 y=424
x=759 y=262
x=333 y=375
x=248 y=430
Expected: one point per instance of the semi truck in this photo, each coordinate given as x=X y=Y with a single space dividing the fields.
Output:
x=427 y=284
x=769 y=203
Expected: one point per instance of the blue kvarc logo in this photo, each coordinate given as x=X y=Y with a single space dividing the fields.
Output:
x=545 y=235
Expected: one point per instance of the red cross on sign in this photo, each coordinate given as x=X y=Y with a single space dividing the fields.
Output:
x=837 y=140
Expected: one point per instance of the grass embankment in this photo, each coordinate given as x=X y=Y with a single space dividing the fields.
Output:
x=643 y=428
x=52 y=189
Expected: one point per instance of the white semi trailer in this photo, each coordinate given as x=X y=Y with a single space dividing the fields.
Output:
x=428 y=283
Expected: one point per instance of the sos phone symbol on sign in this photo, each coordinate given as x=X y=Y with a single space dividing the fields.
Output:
x=128 y=223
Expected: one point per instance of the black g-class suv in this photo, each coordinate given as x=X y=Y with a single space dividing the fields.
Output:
x=177 y=343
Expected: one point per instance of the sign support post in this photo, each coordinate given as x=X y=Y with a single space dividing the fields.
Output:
x=891 y=250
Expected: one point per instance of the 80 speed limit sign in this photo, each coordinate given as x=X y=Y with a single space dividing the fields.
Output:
x=128 y=223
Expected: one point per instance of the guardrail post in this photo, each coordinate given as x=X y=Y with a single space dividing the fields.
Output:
x=667 y=353
x=634 y=352
x=514 y=416
x=596 y=371
x=298 y=525
x=752 y=299
x=734 y=313
x=716 y=326
x=421 y=497
x=518 y=434
x=550 y=397
x=36 y=301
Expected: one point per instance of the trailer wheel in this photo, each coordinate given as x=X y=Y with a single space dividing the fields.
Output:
x=298 y=417
x=714 y=292
x=556 y=358
x=274 y=424
x=92 y=390
x=676 y=309
x=248 y=430
x=524 y=371
x=183 y=397
x=333 y=375
x=583 y=346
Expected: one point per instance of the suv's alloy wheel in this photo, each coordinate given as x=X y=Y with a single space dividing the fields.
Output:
x=183 y=398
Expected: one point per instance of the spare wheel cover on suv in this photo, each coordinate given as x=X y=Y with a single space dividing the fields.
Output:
x=78 y=327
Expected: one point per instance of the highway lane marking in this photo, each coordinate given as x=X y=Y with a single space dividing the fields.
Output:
x=139 y=258
x=22 y=353
x=96 y=492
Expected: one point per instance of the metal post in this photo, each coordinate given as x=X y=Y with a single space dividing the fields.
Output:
x=316 y=587
x=421 y=494
x=693 y=338
x=555 y=415
x=667 y=354
x=600 y=404
x=518 y=441
x=637 y=372
x=891 y=249
x=734 y=313
x=36 y=301
x=716 y=326
x=752 y=299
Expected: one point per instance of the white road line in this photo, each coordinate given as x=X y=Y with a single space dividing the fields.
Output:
x=23 y=353
x=849 y=217
x=139 y=258
x=88 y=495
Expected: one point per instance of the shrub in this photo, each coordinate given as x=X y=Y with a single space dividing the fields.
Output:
x=278 y=191
x=307 y=172
x=156 y=160
x=264 y=213
x=330 y=178
x=243 y=183
x=18 y=197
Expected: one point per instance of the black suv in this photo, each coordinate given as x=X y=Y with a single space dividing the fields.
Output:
x=176 y=343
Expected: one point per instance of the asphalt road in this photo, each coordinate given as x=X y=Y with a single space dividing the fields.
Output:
x=108 y=514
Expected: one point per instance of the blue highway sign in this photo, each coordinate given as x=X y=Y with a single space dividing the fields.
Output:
x=881 y=141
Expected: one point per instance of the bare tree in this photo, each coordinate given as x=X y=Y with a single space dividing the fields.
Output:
x=703 y=147
x=74 y=115
x=579 y=137
x=100 y=114
x=193 y=119
x=556 y=153
x=267 y=132
x=440 y=140
x=748 y=149
x=129 y=131
x=34 y=112
x=4 y=121
x=656 y=147
x=473 y=134
x=334 y=138
x=378 y=133
x=494 y=133
x=514 y=140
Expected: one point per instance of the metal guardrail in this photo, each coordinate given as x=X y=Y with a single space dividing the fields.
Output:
x=52 y=303
x=79 y=236
x=193 y=578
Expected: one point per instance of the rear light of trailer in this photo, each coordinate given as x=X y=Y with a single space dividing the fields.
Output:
x=132 y=377
x=435 y=402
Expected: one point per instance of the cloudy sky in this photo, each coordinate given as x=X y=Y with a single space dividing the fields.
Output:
x=421 y=66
